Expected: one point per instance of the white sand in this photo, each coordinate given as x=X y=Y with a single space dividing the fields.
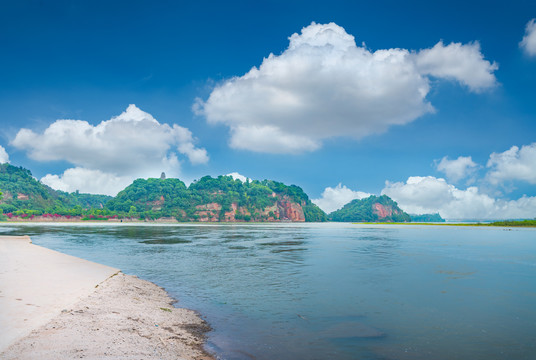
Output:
x=55 y=306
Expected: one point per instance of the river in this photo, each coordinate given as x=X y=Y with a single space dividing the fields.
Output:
x=331 y=291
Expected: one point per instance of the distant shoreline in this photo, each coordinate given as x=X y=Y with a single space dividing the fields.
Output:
x=506 y=224
x=521 y=223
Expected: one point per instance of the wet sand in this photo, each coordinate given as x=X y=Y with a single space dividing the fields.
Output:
x=55 y=306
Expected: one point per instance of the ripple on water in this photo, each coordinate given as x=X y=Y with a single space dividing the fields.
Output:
x=277 y=251
x=283 y=243
x=166 y=241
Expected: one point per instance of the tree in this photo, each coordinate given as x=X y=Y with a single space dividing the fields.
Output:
x=132 y=211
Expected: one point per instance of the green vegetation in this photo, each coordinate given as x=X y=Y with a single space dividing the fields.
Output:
x=26 y=197
x=506 y=223
x=211 y=199
x=22 y=191
x=2 y=216
x=427 y=218
x=208 y=199
x=314 y=214
x=514 y=223
x=371 y=209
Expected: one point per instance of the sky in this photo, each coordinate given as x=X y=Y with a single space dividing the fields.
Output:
x=430 y=103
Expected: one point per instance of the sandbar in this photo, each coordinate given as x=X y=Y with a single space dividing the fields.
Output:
x=56 y=306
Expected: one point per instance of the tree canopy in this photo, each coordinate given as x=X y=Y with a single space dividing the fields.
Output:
x=155 y=198
x=166 y=197
x=372 y=209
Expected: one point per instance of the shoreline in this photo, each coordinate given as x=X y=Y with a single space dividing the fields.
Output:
x=229 y=223
x=73 y=308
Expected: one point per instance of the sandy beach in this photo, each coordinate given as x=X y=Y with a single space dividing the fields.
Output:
x=55 y=306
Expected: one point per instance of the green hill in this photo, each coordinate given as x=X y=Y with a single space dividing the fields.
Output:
x=22 y=193
x=216 y=199
x=427 y=218
x=371 y=209
x=208 y=199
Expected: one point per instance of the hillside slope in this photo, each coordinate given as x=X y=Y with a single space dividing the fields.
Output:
x=23 y=193
x=216 y=199
x=372 y=209
x=208 y=199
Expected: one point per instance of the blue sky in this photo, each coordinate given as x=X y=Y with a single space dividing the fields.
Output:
x=417 y=94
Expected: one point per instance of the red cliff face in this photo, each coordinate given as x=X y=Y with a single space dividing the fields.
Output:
x=230 y=215
x=208 y=212
x=382 y=211
x=290 y=210
x=282 y=210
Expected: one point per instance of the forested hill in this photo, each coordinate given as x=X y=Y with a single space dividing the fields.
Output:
x=427 y=218
x=208 y=199
x=216 y=199
x=22 y=193
x=371 y=209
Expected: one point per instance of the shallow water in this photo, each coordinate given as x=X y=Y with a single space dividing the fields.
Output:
x=331 y=291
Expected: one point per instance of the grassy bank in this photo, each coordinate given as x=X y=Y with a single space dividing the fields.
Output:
x=505 y=223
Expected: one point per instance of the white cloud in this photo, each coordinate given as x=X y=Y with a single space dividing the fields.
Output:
x=133 y=144
x=463 y=63
x=237 y=176
x=528 y=44
x=335 y=198
x=457 y=169
x=4 y=157
x=88 y=181
x=513 y=164
x=270 y=139
x=325 y=86
x=419 y=195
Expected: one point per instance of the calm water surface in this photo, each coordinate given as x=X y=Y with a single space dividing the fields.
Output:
x=331 y=291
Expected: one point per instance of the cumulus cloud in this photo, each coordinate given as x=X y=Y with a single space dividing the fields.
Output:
x=270 y=139
x=133 y=144
x=463 y=63
x=4 y=157
x=86 y=180
x=237 y=176
x=335 y=198
x=420 y=195
x=528 y=44
x=513 y=164
x=456 y=169
x=324 y=85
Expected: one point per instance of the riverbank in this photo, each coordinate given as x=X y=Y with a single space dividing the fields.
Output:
x=55 y=306
x=505 y=224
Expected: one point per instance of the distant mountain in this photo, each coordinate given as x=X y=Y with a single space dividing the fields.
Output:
x=216 y=199
x=427 y=218
x=21 y=192
x=372 y=209
x=208 y=199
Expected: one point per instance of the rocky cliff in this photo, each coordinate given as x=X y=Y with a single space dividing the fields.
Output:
x=283 y=210
x=221 y=199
